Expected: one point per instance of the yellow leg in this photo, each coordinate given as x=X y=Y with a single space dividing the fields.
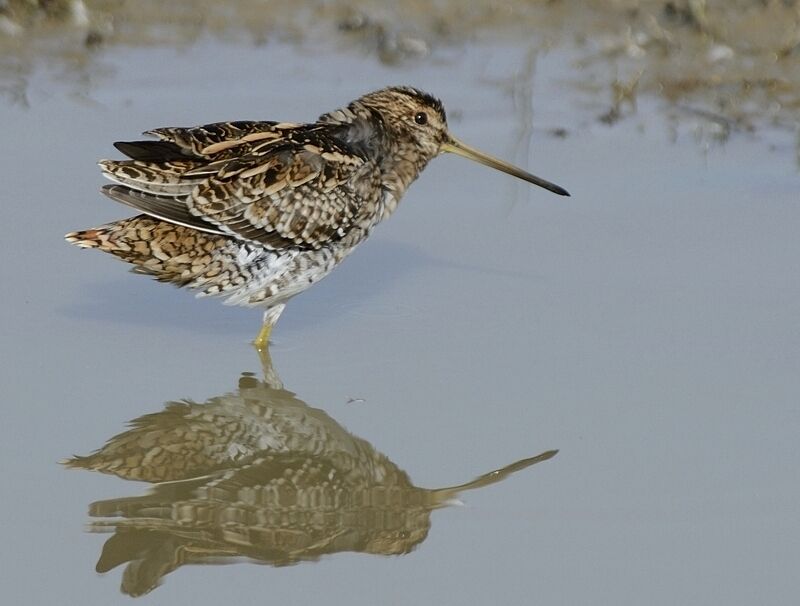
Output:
x=270 y=317
x=262 y=339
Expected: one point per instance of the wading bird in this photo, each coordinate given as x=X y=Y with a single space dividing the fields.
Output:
x=257 y=212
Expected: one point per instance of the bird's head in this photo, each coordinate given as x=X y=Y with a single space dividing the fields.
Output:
x=414 y=121
x=416 y=125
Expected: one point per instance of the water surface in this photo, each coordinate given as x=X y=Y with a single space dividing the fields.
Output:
x=647 y=327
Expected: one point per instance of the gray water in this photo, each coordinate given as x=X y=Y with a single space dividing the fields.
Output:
x=647 y=328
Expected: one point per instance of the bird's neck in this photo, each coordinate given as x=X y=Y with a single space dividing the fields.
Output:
x=400 y=163
x=397 y=173
x=364 y=130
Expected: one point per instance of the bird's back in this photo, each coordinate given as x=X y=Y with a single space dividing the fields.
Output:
x=256 y=211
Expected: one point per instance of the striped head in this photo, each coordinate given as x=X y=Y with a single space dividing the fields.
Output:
x=406 y=128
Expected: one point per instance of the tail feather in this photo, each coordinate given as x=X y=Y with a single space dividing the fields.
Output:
x=171 y=253
x=96 y=237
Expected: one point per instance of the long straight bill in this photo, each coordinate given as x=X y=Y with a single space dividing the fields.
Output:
x=454 y=146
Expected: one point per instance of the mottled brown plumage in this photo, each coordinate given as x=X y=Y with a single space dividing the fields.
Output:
x=259 y=474
x=259 y=211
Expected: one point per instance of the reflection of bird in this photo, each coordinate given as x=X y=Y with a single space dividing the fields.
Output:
x=258 y=474
x=258 y=211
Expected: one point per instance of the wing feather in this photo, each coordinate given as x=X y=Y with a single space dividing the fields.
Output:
x=278 y=184
x=165 y=208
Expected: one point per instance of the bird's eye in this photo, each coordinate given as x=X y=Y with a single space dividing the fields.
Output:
x=421 y=118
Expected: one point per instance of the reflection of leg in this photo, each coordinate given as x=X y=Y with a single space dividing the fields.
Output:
x=270 y=375
x=270 y=318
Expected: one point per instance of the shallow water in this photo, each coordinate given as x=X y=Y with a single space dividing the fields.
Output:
x=647 y=327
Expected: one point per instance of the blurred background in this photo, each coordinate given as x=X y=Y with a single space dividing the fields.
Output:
x=647 y=327
x=726 y=66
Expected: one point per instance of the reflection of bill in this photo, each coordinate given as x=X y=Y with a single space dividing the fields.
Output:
x=258 y=474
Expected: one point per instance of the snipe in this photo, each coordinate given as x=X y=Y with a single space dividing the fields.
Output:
x=257 y=212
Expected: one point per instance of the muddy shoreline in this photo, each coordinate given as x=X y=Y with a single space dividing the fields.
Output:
x=732 y=65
